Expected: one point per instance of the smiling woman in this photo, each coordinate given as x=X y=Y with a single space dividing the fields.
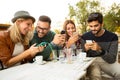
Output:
x=14 y=42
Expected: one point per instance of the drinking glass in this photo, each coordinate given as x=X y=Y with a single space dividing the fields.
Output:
x=68 y=52
x=82 y=56
x=78 y=51
x=55 y=55
x=62 y=56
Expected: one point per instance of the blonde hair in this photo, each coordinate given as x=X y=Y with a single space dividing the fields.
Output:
x=16 y=36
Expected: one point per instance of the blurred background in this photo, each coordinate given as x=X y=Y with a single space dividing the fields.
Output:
x=60 y=10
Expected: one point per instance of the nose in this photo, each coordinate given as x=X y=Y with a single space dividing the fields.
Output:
x=93 y=28
x=71 y=30
x=40 y=30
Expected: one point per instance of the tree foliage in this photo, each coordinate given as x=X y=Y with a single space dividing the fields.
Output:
x=112 y=18
x=83 y=8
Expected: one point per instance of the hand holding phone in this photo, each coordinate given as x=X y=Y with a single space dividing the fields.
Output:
x=62 y=32
x=75 y=33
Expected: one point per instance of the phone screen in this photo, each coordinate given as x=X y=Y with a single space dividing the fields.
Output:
x=88 y=41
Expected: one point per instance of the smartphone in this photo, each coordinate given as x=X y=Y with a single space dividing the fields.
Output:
x=88 y=41
x=45 y=44
x=62 y=32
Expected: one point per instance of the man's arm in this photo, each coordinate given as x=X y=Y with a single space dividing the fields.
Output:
x=111 y=54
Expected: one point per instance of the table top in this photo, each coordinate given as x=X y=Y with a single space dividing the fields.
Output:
x=48 y=71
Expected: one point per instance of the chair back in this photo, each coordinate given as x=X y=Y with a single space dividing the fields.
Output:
x=1 y=65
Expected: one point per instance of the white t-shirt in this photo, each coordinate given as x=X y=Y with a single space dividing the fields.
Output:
x=18 y=49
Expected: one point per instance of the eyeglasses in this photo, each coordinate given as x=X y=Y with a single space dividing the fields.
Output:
x=44 y=29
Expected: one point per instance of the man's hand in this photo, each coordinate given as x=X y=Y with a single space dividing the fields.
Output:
x=59 y=39
x=93 y=46
x=34 y=49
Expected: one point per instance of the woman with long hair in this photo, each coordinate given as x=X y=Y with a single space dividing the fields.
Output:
x=14 y=41
x=72 y=36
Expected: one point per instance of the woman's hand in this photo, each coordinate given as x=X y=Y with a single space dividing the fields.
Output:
x=34 y=50
x=72 y=40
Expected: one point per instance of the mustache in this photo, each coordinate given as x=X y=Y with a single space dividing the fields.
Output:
x=40 y=32
x=93 y=30
x=97 y=31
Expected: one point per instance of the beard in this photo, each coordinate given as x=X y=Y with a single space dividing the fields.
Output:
x=95 y=32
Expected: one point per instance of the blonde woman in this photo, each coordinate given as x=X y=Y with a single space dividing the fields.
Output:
x=14 y=42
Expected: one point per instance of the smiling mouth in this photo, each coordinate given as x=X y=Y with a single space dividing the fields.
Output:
x=94 y=31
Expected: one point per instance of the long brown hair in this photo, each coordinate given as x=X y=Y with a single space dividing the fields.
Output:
x=65 y=27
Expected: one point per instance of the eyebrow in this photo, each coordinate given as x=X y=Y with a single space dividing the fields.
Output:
x=93 y=25
x=42 y=28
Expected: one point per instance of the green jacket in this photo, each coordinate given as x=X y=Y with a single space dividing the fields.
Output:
x=47 y=38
